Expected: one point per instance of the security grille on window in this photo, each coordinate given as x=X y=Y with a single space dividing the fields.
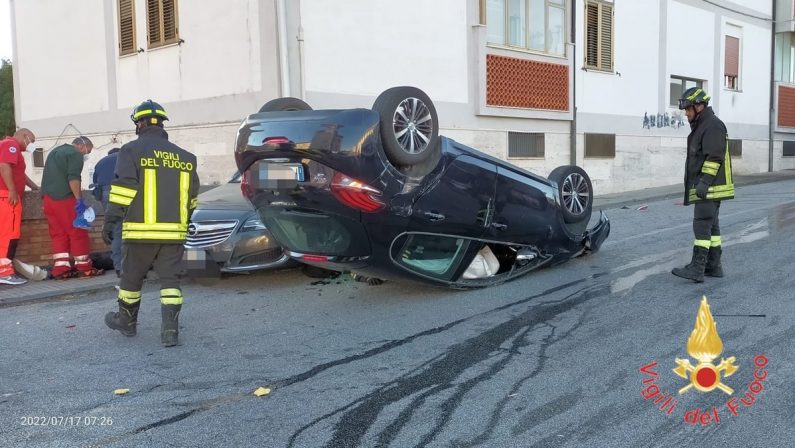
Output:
x=523 y=144
x=161 y=21
x=735 y=148
x=731 y=68
x=126 y=27
x=599 y=36
x=538 y=25
x=600 y=145
x=678 y=85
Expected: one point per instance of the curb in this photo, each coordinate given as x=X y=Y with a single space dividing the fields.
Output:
x=55 y=295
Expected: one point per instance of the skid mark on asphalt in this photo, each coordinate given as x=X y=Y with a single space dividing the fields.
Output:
x=357 y=418
x=436 y=330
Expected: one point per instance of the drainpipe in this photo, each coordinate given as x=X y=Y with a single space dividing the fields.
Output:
x=284 y=68
x=573 y=133
x=301 y=62
x=772 y=90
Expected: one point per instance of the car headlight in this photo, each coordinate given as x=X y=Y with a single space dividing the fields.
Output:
x=253 y=224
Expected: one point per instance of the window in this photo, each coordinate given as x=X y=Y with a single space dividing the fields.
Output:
x=785 y=57
x=538 y=25
x=523 y=144
x=731 y=66
x=789 y=148
x=126 y=27
x=600 y=145
x=735 y=148
x=433 y=255
x=38 y=158
x=678 y=85
x=599 y=35
x=161 y=22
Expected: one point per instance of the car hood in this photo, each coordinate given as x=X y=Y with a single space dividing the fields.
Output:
x=224 y=197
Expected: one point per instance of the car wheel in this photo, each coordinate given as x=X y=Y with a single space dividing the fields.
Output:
x=284 y=104
x=409 y=125
x=576 y=192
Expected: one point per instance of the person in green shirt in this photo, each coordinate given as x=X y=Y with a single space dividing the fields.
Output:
x=63 y=202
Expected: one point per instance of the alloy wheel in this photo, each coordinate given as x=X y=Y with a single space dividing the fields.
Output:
x=413 y=125
x=576 y=193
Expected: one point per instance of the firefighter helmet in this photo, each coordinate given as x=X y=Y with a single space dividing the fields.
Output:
x=149 y=109
x=693 y=96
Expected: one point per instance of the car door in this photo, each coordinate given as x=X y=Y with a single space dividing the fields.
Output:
x=523 y=212
x=459 y=201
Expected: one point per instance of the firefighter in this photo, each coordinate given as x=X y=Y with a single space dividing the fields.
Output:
x=708 y=181
x=153 y=195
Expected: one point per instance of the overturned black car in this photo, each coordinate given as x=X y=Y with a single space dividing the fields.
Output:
x=379 y=193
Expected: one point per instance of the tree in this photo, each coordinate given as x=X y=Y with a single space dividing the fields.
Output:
x=7 y=122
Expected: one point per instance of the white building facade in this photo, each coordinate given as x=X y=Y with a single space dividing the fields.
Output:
x=523 y=80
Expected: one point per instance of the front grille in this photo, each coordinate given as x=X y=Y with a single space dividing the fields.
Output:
x=208 y=233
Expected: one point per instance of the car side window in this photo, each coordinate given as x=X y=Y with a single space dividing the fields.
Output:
x=433 y=255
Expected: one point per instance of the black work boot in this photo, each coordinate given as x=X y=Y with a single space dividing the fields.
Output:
x=713 y=267
x=169 y=330
x=125 y=319
x=695 y=269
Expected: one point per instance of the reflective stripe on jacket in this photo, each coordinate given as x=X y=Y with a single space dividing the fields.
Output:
x=158 y=186
x=708 y=159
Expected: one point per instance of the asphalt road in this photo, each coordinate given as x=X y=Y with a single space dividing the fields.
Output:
x=551 y=359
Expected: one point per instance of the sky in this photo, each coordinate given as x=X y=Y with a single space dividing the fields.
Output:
x=5 y=30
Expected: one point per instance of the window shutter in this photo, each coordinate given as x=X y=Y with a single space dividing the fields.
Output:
x=153 y=21
x=606 y=38
x=169 y=21
x=592 y=34
x=732 y=62
x=126 y=27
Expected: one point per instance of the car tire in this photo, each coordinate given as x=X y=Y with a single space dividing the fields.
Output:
x=409 y=125
x=576 y=193
x=284 y=104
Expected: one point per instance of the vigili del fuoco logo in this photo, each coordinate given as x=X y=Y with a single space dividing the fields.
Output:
x=704 y=345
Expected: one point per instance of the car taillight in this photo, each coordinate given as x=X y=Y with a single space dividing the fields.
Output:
x=315 y=258
x=276 y=140
x=356 y=194
x=245 y=185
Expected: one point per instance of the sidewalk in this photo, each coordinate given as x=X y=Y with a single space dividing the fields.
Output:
x=15 y=295
x=45 y=289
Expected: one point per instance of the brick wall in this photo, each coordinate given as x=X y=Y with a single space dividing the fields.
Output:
x=786 y=107
x=35 y=245
x=526 y=84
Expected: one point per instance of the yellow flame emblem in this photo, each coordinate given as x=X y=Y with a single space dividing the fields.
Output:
x=704 y=344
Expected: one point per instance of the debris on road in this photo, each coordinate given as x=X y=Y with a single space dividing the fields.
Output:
x=70 y=326
x=121 y=391
x=262 y=391
x=642 y=208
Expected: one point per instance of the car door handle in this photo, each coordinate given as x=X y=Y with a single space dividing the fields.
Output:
x=499 y=226
x=433 y=216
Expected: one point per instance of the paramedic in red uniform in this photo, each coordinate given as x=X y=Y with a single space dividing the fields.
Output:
x=12 y=188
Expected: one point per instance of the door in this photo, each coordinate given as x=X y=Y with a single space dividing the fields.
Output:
x=523 y=212
x=460 y=201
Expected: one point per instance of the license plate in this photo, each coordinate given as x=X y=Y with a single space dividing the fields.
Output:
x=277 y=175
